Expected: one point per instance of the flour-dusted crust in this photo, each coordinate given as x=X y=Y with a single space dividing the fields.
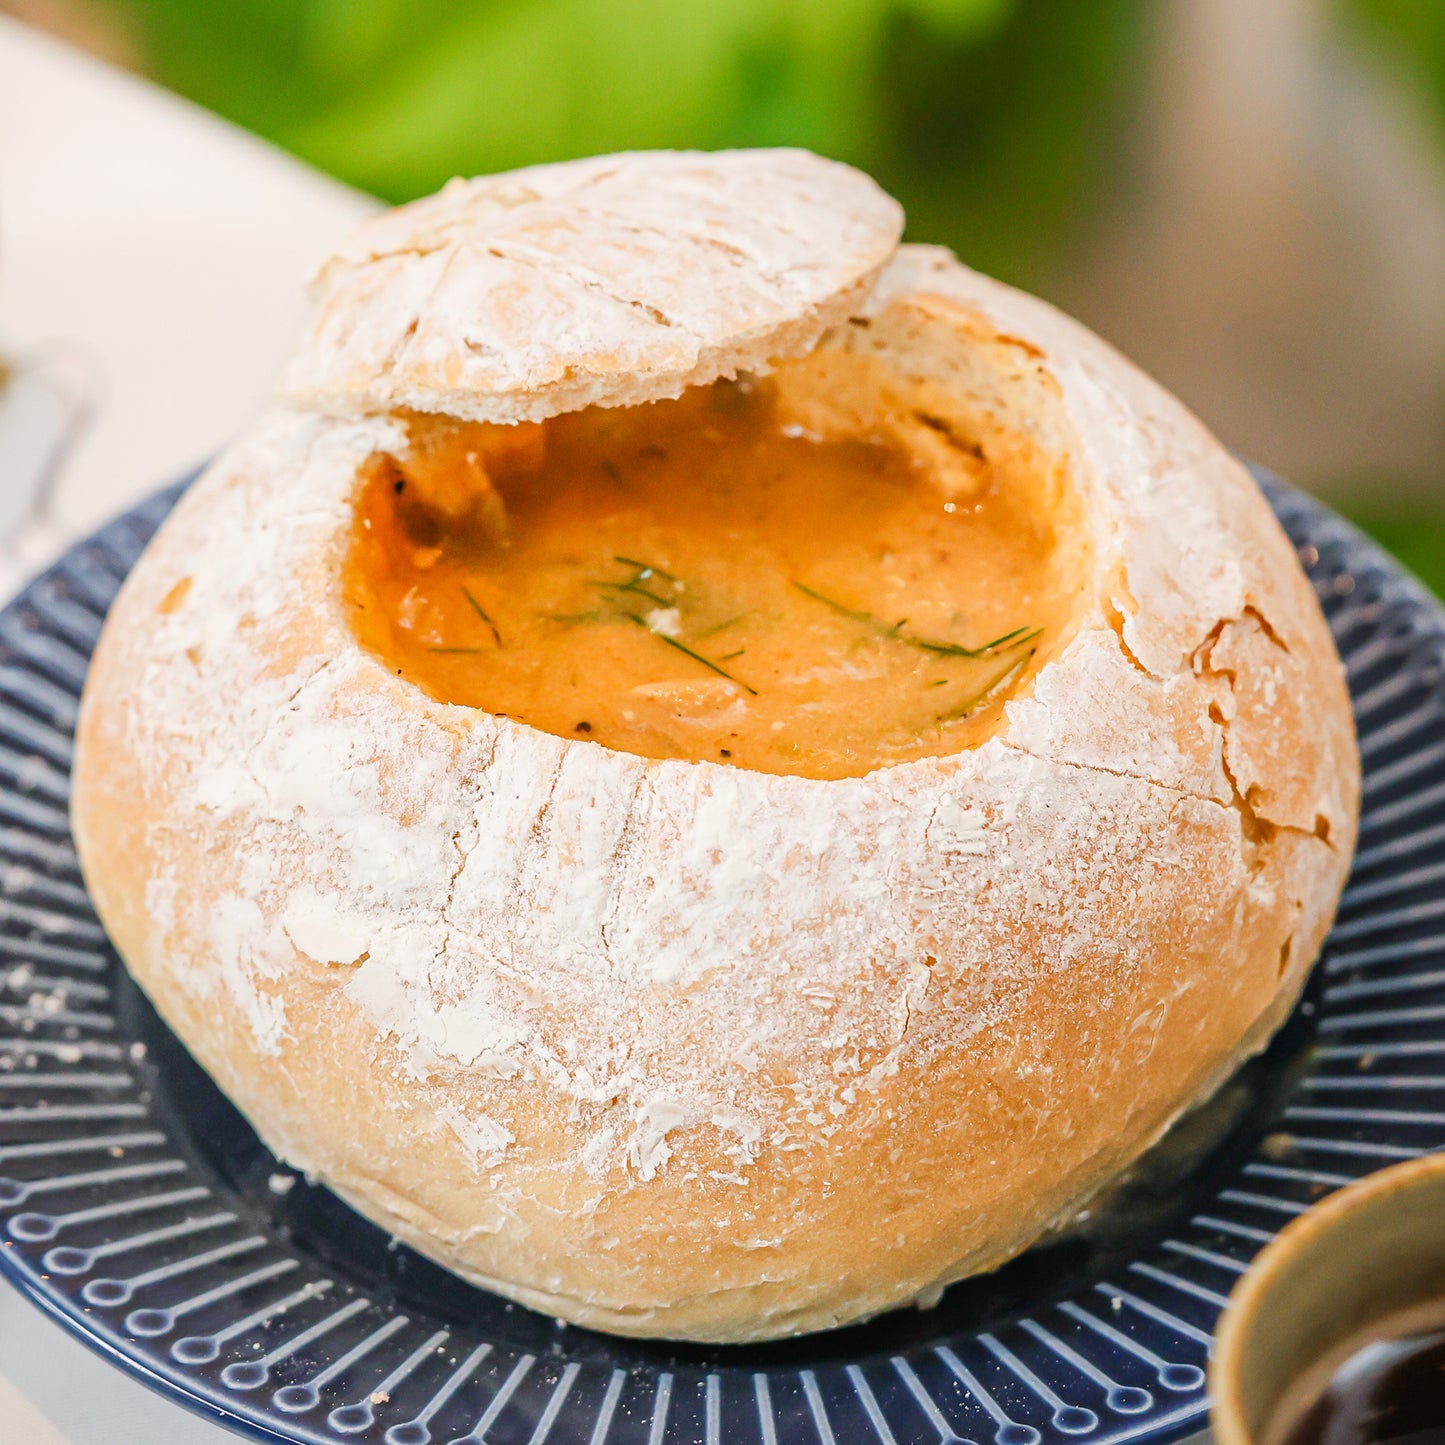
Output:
x=611 y=281
x=680 y=1049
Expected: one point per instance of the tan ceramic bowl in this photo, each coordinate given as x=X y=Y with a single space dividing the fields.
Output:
x=1372 y=1251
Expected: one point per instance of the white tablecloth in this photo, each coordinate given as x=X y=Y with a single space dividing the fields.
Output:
x=152 y=263
x=152 y=255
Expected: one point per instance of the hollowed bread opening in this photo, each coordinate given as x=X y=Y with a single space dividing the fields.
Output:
x=849 y=563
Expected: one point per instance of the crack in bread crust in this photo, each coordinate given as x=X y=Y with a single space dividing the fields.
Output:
x=632 y=1039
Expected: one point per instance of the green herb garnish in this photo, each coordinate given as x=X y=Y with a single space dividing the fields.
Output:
x=686 y=651
x=963 y=709
x=663 y=584
x=1010 y=640
x=640 y=591
x=722 y=626
x=867 y=618
x=644 y=569
x=481 y=612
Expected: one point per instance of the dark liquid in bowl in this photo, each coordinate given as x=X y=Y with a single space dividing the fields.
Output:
x=1388 y=1392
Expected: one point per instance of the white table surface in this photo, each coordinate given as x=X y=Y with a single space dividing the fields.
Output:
x=152 y=254
x=152 y=266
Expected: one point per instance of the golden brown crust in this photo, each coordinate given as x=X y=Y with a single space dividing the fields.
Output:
x=672 y=1048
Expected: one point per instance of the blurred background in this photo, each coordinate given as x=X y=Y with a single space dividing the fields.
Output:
x=1247 y=196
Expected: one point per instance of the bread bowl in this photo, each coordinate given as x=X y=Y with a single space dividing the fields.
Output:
x=782 y=992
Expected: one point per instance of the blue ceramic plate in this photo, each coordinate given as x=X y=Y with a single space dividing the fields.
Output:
x=139 y=1209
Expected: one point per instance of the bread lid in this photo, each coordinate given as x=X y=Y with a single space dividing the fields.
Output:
x=608 y=281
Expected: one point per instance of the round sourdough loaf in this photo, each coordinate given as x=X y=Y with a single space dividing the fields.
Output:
x=677 y=1048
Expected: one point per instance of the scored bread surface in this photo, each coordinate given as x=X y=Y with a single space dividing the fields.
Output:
x=611 y=281
x=676 y=1048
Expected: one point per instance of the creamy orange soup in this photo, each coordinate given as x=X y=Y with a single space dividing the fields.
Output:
x=706 y=579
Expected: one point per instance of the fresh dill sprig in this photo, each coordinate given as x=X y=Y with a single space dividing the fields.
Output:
x=615 y=592
x=644 y=569
x=858 y=616
x=955 y=714
x=481 y=612
x=636 y=589
x=1010 y=640
x=722 y=626
x=686 y=651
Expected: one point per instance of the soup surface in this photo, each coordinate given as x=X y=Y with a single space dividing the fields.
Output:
x=1389 y=1390
x=709 y=579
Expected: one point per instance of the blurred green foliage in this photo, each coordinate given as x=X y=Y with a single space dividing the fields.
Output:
x=1411 y=34
x=1415 y=534
x=989 y=119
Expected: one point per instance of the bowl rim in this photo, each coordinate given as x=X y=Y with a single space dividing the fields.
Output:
x=1246 y=1305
